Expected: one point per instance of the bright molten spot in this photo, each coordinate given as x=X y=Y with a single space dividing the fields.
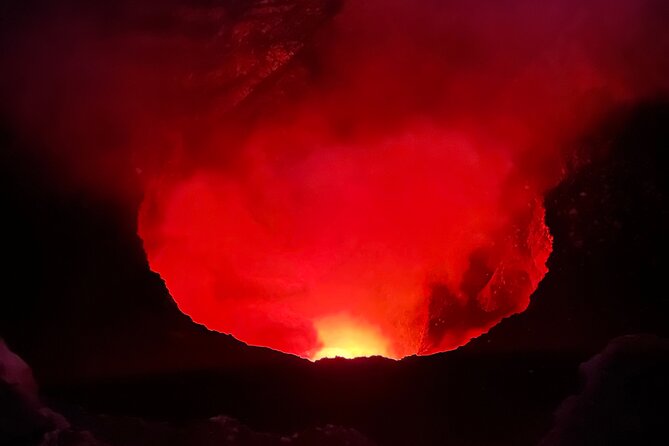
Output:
x=345 y=337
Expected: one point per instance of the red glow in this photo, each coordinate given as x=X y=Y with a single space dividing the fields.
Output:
x=394 y=207
x=350 y=239
x=378 y=190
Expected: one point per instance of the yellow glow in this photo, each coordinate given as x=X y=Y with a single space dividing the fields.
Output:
x=341 y=336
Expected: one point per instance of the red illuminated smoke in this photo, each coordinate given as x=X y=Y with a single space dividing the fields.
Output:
x=394 y=206
x=382 y=194
x=393 y=246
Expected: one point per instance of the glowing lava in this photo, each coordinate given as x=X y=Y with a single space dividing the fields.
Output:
x=343 y=337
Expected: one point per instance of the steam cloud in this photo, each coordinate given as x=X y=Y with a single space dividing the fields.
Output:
x=369 y=185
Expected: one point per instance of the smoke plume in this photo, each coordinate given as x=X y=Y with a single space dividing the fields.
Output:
x=349 y=182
